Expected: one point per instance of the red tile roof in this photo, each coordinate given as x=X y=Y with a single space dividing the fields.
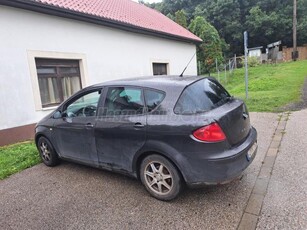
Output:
x=124 y=11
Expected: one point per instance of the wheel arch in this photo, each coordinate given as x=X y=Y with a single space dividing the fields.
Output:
x=138 y=161
x=39 y=135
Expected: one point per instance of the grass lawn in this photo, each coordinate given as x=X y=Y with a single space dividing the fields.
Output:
x=15 y=158
x=271 y=87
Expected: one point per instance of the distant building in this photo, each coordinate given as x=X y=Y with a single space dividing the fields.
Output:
x=287 y=53
x=255 y=52
x=52 y=48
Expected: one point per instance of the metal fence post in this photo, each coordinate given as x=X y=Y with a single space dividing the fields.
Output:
x=217 y=69
x=225 y=73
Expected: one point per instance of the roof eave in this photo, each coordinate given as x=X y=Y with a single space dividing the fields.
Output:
x=66 y=13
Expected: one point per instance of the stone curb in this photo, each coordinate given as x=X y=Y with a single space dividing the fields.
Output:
x=252 y=210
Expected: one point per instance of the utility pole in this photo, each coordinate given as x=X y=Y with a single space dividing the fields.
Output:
x=294 y=53
x=246 y=65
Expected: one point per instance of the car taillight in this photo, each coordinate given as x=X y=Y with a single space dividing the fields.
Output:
x=210 y=133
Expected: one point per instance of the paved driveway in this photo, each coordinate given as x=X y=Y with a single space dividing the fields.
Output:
x=285 y=204
x=71 y=196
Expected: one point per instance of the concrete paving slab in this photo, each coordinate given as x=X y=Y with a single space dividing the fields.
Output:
x=269 y=161
x=72 y=196
x=285 y=205
x=265 y=172
x=261 y=186
x=275 y=144
x=272 y=152
x=278 y=137
x=249 y=221
x=254 y=204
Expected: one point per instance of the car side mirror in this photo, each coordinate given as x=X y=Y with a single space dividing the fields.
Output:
x=57 y=115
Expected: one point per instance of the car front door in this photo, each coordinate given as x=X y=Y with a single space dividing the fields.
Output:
x=121 y=127
x=74 y=132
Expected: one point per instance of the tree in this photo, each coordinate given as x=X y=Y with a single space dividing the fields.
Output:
x=265 y=28
x=170 y=16
x=266 y=21
x=224 y=15
x=302 y=22
x=211 y=48
x=181 y=18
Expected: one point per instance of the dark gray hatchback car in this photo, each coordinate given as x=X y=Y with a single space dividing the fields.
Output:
x=168 y=131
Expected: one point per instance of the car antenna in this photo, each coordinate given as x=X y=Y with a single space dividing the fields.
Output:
x=181 y=75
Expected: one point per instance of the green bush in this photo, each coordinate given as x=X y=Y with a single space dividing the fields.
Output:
x=253 y=61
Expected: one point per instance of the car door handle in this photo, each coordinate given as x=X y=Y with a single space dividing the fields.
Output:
x=138 y=125
x=89 y=125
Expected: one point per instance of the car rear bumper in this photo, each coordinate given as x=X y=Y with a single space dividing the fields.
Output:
x=222 y=170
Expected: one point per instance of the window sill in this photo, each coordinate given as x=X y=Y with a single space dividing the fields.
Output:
x=49 y=108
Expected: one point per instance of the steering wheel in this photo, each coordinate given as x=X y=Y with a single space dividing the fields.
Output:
x=89 y=110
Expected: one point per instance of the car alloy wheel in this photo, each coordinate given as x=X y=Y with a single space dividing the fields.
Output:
x=160 y=177
x=47 y=152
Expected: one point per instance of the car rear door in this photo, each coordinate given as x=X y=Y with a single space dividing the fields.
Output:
x=120 y=130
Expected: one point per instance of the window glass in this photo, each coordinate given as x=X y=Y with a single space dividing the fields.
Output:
x=68 y=70
x=84 y=106
x=200 y=97
x=58 y=79
x=49 y=91
x=124 y=101
x=159 y=68
x=46 y=70
x=153 y=99
x=70 y=85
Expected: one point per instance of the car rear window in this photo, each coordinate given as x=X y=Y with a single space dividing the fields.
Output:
x=201 y=96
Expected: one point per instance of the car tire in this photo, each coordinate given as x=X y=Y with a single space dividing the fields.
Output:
x=160 y=177
x=47 y=152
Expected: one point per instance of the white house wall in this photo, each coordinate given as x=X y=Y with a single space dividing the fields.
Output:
x=108 y=54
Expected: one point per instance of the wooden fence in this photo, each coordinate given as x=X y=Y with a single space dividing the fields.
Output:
x=287 y=53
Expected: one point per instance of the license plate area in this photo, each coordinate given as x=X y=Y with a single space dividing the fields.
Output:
x=251 y=152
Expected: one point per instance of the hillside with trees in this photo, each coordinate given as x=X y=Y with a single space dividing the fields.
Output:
x=266 y=21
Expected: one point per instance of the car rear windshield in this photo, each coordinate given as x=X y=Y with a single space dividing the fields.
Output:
x=201 y=96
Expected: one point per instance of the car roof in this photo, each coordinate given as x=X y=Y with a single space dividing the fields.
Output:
x=161 y=82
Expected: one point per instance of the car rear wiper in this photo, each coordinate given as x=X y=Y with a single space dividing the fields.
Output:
x=223 y=100
x=228 y=98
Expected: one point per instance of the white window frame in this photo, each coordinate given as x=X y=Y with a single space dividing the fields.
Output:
x=32 y=54
x=161 y=61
